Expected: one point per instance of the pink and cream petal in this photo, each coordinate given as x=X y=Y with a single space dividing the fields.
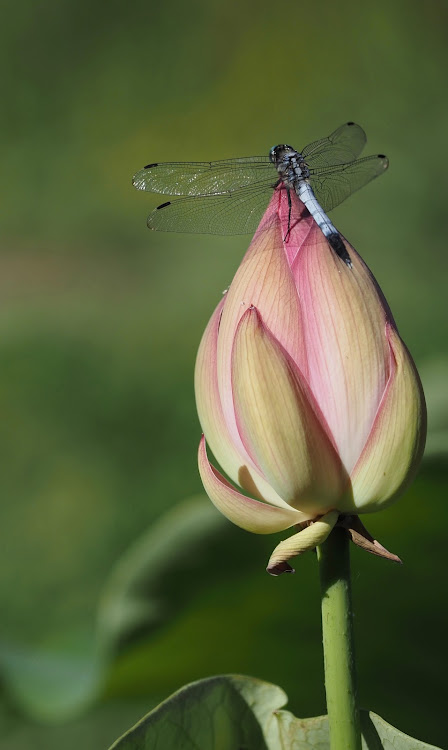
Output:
x=279 y=422
x=251 y=515
x=309 y=538
x=344 y=316
x=396 y=441
x=208 y=403
x=230 y=454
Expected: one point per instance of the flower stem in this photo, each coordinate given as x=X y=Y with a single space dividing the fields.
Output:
x=337 y=629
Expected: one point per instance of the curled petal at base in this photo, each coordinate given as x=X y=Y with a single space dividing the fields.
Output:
x=251 y=515
x=362 y=538
x=308 y=538
x=397 y=439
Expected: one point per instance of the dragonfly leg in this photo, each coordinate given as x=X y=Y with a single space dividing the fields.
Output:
x=289 y=215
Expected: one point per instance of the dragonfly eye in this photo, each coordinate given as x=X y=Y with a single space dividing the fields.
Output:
x=277 y=152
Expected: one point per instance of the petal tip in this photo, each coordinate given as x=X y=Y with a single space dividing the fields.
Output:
x=276 y=569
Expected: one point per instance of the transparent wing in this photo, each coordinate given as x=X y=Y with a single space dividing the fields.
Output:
x=205 y=177
x=342 y=146
x=333 y=185
x=231 y=213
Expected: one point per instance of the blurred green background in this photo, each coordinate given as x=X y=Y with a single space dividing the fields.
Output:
x=99 y=326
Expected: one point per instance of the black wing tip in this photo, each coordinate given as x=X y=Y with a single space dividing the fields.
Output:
x=149 y=166
x=355 y=126
x=152 y=217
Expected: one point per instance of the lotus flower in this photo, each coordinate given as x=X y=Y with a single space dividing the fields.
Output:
x=307 y=396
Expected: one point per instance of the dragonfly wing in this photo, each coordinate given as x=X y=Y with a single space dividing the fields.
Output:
x=333 y=185
x=344 y=145
x=231 y=213
x=205 y=177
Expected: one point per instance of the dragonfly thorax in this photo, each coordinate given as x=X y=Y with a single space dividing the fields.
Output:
x=290 y=164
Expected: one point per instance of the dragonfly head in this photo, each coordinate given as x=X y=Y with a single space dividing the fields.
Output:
x=279 y=152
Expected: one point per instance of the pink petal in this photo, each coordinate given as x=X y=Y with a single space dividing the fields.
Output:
x=252 y=515
x=343 y=315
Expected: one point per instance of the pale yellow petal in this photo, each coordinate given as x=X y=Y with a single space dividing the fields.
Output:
x=279 y=422
x=396 y=442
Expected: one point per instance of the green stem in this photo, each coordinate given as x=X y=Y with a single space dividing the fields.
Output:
x=337 y=629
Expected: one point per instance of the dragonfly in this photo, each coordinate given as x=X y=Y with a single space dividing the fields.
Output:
x=230 y=196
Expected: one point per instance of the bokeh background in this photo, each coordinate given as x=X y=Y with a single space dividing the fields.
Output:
x=107 y=605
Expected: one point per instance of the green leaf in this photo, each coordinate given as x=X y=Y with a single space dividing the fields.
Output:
x=379 y=735
x=219 y=713
x=232 y=712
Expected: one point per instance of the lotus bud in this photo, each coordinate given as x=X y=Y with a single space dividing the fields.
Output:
x=306 y=394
